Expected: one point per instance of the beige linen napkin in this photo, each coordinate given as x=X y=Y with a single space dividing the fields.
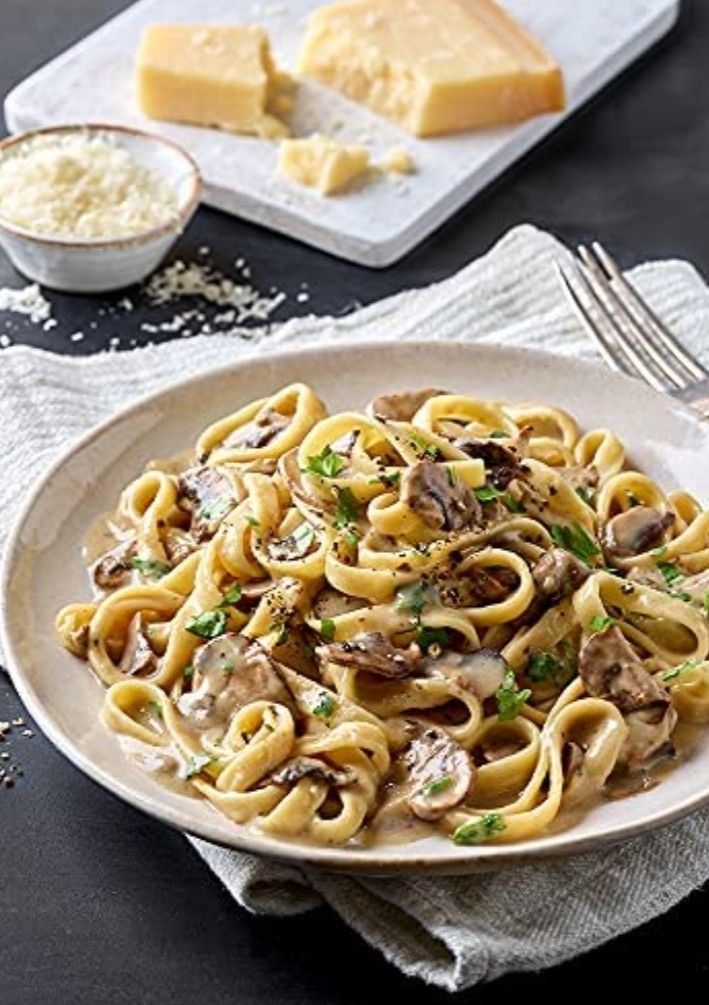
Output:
x=450 y=932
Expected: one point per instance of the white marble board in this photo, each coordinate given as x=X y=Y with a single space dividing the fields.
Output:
x=594 y=40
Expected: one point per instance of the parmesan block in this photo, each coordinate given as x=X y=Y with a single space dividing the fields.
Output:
x=432 y=68
x=322 y=163
x=212 y=75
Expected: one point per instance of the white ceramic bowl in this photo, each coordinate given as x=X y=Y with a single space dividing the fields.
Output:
x=43 y=569
x=96 y=266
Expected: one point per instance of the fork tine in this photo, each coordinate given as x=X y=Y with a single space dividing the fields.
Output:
x=604 y=342
x=600 y=323
x=646 y=314
x=627 y=321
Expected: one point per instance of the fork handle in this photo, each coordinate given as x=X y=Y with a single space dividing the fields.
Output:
x=697 y=396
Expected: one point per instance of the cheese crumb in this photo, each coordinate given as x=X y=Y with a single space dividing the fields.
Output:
x=397 y=161
x=179 y=280
x=81 y=185
x=322 y=163
x=28 y=300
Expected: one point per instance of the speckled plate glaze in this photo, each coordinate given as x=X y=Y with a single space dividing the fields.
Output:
x=43 y=570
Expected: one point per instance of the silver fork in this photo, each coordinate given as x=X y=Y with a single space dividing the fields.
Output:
x=628 y=333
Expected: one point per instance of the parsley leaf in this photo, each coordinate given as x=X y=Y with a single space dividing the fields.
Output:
x=488 y=826
x=282 y=632
x=389 y=478
x=218 y=510
x=573 y=538
x=428 y=636
x=327 y=629
x=585 y=494
x=231 y=596
x=347 y=510
x=599 y=622
x=546 y=666
x=452 y=477
x=197 y=763
x=671 y=572
x=188 y=671
x=677 y=671
x=252 y=521
x=208 y=624
x=156 y=708
x=151 y=567
x=488 y=493
x=426 y=448
x=324 y=707
x=706 y=601
x=437 y=786
x=509 y=698
x=497 y=434
x=413 y=597
x=327 y=464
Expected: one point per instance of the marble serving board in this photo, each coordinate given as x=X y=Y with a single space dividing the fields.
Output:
x=376 y=224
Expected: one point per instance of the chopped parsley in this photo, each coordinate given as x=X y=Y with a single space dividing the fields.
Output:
x=324 y=707
x=573 y=538
x=218 y=510
x=488 y=493
x=413 y=597
x=231 y=596
x=327 y=629
x=599 y=622
x=437 y=786
x=585 y=494
x=427 y=449
x=326 y=464
x=281 y=628
x=188 y=671
x=497 y=434
x=389 y=478
x=509 y=698
x=545 y=666
x=671 y=572
x=428 y=636
x=674 y=672
x=352 y=536
x=156 y=708
x=252 y=521
x=227 y=667
x=208 y=624
x=452 y=477
x=706 y=601
x=659 y=552
x=197 y=763
x=347 y=510
x=488 y=826
x=151 y=567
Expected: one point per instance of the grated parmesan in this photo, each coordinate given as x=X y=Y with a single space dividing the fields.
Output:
x=81 y=186
x=196 y=280
x=29 y=300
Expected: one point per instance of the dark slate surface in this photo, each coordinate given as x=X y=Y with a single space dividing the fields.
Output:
x=100 y=904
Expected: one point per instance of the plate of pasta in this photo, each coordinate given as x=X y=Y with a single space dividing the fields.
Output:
x=317 y=607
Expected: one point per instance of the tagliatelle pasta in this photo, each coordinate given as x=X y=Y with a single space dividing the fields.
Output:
x=438 y=613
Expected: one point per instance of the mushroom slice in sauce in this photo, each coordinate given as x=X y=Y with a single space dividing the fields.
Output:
x=426 y=489
x=482 y=672
x=229 y=672
x=373 y=653
x=557 y=574
x=178 y=545
x=635 y=531
x=400 y=406
x=259 y=432
x=442 y=774
x=476 y=586
x=114 y=568
x=309 y=767
x=138 y=659
x=208 y=495
x=502 y=464
x=296 y=545
x=611 y=669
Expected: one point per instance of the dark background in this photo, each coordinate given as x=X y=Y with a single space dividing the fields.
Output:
x=100 y=904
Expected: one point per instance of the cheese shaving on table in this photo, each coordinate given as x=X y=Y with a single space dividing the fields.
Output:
x=81 y=186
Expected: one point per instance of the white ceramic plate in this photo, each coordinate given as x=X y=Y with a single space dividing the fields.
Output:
x=43 y=570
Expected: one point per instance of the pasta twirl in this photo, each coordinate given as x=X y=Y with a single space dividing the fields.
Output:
x=437 y=613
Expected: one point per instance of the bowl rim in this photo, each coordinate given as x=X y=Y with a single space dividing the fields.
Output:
x=184 y=212
x=343 y=859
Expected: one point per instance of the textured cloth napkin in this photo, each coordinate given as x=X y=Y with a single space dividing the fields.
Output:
x=450 y=932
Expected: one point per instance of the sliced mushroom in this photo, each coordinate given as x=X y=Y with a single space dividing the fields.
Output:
x=138 y=659
x=634 y=531
x=207 y=494
x=572 y=757
x=581 y=478
x=344 y=446
x=296 y=545
x=259 y=432
x=401 y=406
x=481 y=672
x=442 y=774
x=426 y=488
x=229 y=672
x=502 y=463
x=493 y=749
x=292 y=476
x=114 y=568
x=178 y=545
x=476 y=586
x=309 y=767
x=558 y=574
x=373 y=653
x=611 y=669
